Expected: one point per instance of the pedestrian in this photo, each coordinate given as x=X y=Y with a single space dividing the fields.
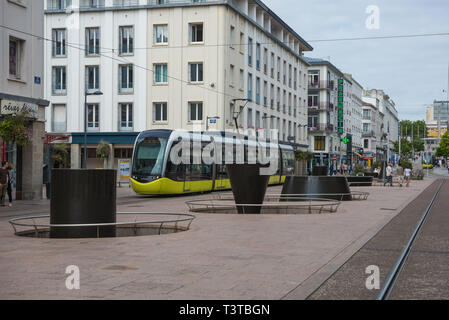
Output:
x=350 y=169
x=331 y=170
x=400 y=173
x=408 y=175
x=3 y=183
x=389 y=175
x=10 y=166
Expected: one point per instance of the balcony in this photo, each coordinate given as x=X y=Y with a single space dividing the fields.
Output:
x=126 y=3
x=321 y=127
x=125 y=126
x=168 y=2
x=323 y=84
x=91 y=4
x=325 y=106
x=369 y=133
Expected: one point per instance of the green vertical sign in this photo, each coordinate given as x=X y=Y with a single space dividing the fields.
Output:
x=340 y=122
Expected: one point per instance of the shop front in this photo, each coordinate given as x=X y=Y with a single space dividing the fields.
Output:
x=26 y=150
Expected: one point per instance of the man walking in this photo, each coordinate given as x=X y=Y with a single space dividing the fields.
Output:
x=3 y=183
x=389 y=175
x=408 y=175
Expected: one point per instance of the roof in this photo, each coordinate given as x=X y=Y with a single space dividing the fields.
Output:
x=322 y=62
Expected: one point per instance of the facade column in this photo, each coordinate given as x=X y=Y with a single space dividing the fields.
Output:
x=75 y=156
x=33 y=160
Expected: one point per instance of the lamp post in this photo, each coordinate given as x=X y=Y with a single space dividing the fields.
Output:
x=86 y=93
x=238 y=113
x=207 y=121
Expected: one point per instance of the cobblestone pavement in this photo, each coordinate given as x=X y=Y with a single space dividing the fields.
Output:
x=221 y=257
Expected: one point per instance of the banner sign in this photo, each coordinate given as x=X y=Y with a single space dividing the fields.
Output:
x=340 y=122
x=19 y=107
x=124 y=167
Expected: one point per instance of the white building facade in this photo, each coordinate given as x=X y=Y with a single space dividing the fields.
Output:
x=171 y=65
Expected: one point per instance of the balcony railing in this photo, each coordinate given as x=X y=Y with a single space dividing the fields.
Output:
x=323 y=84
x=369 y=133
x=126 y=3
x=85 y=4
x=125 y=125
x=58 y=4
x=59 y=126
x=162 y=2
x=321 y=127
x=321 y=106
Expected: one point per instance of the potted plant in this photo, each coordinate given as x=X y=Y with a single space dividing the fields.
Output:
x=60 y=155
x=13 y=129
x=104 y=152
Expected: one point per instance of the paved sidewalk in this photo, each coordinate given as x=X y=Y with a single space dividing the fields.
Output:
x=221 y=257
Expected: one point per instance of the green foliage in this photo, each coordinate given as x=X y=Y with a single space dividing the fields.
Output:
x=358 y=169
x=12 y=128
x=404 y=163
x=103 y=150
x=60 y=155
x=443 y=148
x=304 y=155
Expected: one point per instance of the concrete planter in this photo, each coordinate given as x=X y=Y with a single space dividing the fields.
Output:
x=83 y=197
x=320 y=171
x=248 y=186
x=360 y=181
x=317 y=185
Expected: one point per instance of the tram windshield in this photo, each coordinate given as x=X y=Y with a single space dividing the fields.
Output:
x=149 y=156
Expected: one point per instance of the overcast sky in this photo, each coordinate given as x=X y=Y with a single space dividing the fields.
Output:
x=412 y=71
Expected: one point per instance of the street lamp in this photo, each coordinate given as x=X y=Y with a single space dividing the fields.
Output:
x=86 y=93
x=238 y=113
x=207 y=121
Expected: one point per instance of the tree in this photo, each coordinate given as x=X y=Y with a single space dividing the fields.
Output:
x=443 y=148
x=13 y=128
x=60 y=155
x=103 y=152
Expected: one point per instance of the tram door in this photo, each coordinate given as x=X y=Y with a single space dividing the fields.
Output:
x=220 y=177
x=187 y=177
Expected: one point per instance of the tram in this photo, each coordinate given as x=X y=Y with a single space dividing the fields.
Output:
x=428 y=159
x=154 y=173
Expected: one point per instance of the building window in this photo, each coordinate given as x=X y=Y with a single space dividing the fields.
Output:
x=126 y=78
x=59 y=80
x=126 y=116
x=279 y=69
x=58 y=4
x=160 y=73
x=92 y=78
x=313 y=100
x=272 y=66
x=242 y=42
x=231 y=75
x=250 y=86
x=160 y=112
x=250 y=51
x=161 y=34
x=15 y=56
x=126 y=40
x=59 y=118
x=257 y=90
x=195 y=72
x=196 y=32
x=59 y=42
x=249 y=118
x=258 y=56
x=320 y=143
x=242 y=81
x=92 y=41
x=231 y=37
x=366 y=144
x=265 y=60
x=93 y=117
x=195 y=111
x=265 y=93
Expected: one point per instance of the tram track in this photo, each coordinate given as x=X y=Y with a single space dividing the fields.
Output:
x=410 y=252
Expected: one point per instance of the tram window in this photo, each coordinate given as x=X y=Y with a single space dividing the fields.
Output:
x=150 y=156
x=288 y=162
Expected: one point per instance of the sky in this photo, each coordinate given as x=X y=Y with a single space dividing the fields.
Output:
x=412 y=71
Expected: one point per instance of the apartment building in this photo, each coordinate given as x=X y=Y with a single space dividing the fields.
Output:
x=147 y=64
x=353 y=119
x=387 y=123
x=21 y=90
x=327 y=111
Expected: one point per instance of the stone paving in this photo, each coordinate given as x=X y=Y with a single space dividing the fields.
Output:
x=221 y=257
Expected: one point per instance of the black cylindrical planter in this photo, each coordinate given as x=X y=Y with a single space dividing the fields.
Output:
x=319 y=187
x=248 y=186
x=320 y=171
x=83 y=197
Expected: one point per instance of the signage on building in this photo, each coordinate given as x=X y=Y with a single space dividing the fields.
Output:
x=340 y=120
x=433 y=132
x=19 y=107
x=124 y=167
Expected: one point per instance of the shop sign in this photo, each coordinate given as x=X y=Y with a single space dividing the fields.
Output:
x=19 y=107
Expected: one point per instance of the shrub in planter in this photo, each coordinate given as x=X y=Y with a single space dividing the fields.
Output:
x=13 y=129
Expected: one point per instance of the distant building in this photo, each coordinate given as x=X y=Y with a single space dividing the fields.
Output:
x=437 y=116
x=22 y=88
x=386 y=122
